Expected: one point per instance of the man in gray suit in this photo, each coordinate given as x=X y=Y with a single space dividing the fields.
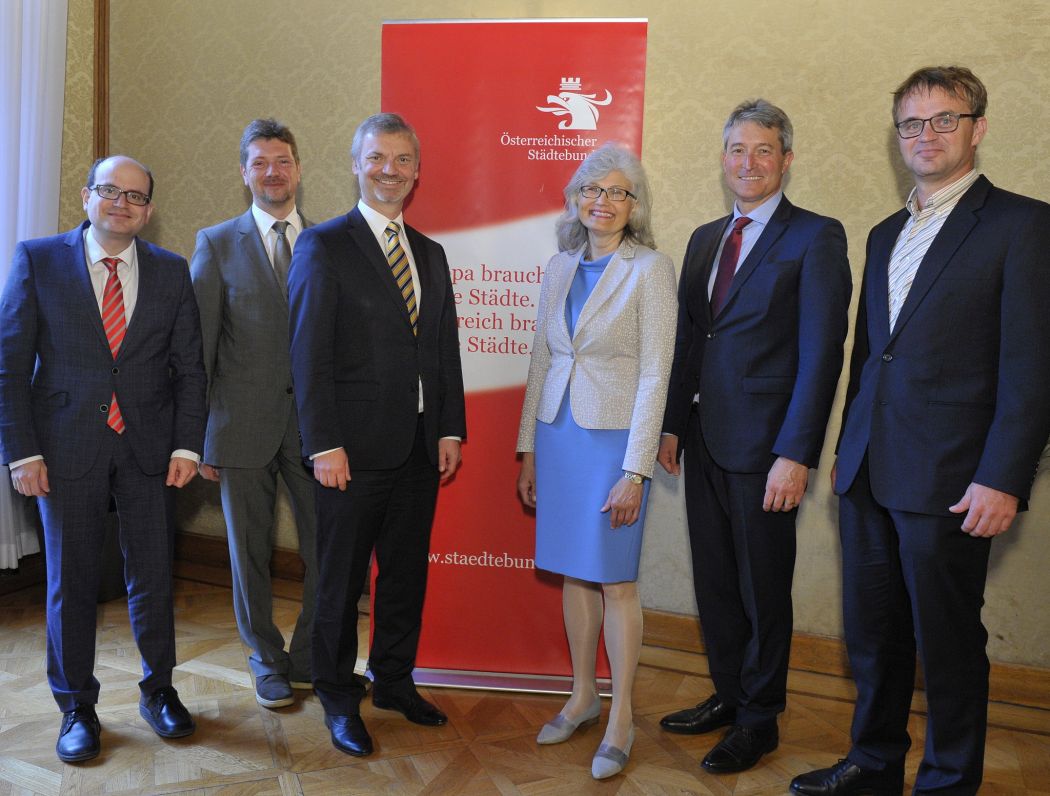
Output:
x=239 y=272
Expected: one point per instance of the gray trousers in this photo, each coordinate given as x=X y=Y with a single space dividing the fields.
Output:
x=249 y=496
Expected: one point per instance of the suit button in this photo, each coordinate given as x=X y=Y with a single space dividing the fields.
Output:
x=288 y=390
x=104 y=408
x=710 y=335
x=116 y=371
x=887 y=357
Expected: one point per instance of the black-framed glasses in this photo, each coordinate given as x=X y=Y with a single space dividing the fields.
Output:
x=615 y=193
x=112 y=192
x=946 y=122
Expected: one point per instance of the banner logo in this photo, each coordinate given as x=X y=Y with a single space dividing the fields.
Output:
x=582 y=109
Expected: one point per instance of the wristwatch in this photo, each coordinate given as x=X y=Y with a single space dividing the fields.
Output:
x=634 y=478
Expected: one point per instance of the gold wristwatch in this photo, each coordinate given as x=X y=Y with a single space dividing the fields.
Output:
x=634 y=478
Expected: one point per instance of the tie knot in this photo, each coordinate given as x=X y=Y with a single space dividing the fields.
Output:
x=392 y=229
x=740 y=223
x=280 y=227
x=111 y=263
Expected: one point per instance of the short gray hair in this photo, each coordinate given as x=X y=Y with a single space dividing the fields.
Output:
x=379 y=124
x=761 y=113
x=607 y=158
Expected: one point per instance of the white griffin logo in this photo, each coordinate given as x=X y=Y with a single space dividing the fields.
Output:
x=582 y=109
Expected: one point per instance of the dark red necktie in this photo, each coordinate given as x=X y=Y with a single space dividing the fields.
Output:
x=115 y=324
x=727 y=265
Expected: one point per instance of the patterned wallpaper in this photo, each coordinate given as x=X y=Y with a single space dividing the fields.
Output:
x=187 y=76
x=77 y=118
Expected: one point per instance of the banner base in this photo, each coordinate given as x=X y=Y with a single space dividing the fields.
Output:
x=494 y=681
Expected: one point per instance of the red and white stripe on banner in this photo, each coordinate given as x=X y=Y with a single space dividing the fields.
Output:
x=505 y=111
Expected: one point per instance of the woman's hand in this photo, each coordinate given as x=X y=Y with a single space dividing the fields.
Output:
x=527 y=480
x=624 y=503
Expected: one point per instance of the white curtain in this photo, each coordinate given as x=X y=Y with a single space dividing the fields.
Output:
x=32 y=88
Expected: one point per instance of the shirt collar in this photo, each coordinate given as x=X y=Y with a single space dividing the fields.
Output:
x=95 y=252
x=377 y=221
x=944 y=199
x=763 y=212
x=264 y=221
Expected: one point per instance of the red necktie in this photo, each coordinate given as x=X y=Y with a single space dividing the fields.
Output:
x=115 y=324
x=727 y=265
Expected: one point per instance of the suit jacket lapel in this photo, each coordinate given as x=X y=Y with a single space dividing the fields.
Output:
x=148 y=296
x=363 y=238
x=82 y=280
x=879 y=285
x=705 y=258
x=252 y=245
x=955 y=230
x=776 y=227
x=610 y=280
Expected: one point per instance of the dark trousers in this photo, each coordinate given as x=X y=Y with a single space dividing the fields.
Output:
x=915 y=582
x=743 y=563
x=249 y=498
x=390 y=511
x=74 y=519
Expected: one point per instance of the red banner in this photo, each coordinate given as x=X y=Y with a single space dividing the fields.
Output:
x=505 y=111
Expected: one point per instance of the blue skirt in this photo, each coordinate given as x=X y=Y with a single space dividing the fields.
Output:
x=575 y=469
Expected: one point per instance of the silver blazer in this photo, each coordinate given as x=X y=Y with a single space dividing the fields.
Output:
x=617 y=363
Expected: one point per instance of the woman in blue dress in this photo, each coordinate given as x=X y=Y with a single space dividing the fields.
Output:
x=590 y=428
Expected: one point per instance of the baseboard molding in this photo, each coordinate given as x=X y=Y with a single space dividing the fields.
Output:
x=208 y=559
x=1028 y=686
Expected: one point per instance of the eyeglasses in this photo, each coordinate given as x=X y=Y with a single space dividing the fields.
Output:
x=112 y=192
x=947 y=122
x=615 y=194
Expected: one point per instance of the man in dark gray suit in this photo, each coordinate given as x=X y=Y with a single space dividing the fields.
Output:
x=239 y=271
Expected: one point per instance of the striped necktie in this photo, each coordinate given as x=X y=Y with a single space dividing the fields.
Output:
x=398 y=260
x=115 y=324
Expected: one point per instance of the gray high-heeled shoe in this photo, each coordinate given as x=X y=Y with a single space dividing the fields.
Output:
x=560 y=729
x=609 y=761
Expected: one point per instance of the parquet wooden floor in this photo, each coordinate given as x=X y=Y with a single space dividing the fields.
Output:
x=242 y=749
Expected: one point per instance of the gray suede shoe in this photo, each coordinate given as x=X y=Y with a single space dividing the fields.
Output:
x=609 y=761
x=560 y=729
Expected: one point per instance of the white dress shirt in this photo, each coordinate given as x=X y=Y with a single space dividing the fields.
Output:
x=264 y=221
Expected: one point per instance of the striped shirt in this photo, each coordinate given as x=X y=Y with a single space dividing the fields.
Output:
x=917 y=236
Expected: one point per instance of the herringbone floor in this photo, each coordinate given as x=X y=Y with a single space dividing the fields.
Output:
x=487 y=747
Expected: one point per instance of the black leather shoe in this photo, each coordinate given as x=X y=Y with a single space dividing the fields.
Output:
x=414 y=707
x=165 y=713
x=708 y=715
x=349 y=734
x=78 y=739
x=848 y=778
x=740 y=749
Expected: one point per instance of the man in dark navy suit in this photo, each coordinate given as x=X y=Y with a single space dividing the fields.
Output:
x=763 y=302
x=379 y=387
x=102 y=397
x=947 y=411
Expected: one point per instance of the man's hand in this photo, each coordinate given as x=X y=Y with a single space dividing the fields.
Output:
x=989 y=512
x=332 y=469
x=624 y=503
x=30 y=479
x=527 y=480
x=180 y=472
x=448 y=457
x=209 y=472
x=785 y=485
x=667 y=456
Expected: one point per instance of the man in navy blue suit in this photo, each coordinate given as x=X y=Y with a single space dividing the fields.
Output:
x=102 y=397
x=947 y=410
x=763 y=302
x=379 y=390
